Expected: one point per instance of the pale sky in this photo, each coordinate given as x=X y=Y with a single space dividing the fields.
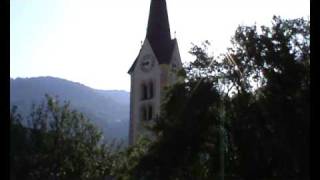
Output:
x=94 y=42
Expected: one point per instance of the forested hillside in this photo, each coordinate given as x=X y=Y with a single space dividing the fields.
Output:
x=108 y=109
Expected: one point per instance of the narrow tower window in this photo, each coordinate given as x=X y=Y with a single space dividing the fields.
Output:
x=144 y=114
x=150 y=112
x=147 y=91
x=151 y=90
x=144 y=93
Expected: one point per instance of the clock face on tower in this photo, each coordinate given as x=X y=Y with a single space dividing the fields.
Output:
x=147 y=63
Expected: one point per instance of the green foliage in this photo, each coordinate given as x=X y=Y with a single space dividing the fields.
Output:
x=270 y=122
x=59 y=144
x=245 y=115
x=106 y=109
x=127 y=159
x=187 y=130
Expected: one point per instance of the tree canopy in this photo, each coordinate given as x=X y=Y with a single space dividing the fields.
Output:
x=243 y=115
x=60 y=143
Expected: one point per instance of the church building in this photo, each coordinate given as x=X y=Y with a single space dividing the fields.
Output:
x=154 y=68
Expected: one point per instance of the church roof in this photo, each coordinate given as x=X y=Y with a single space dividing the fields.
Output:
x=158 y=33
x=134 y=63
x=173 y=41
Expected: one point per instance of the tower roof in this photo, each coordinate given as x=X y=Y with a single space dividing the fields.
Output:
x=158 y=31
x=158 y=25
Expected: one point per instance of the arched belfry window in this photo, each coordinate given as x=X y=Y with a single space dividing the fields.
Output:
x=147 y=90
x=150 y=112
x=144 y=91
x=146 y=112
x=151 y=90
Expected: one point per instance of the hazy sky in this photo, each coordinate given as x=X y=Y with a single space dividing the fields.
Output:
x=94 y=42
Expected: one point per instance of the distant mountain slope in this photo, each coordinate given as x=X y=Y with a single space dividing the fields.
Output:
x=108 y=109
x=121 y=97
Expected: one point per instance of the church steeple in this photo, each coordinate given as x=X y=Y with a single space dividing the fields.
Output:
x=152 y=71
x=158 y=25
x=158 y=31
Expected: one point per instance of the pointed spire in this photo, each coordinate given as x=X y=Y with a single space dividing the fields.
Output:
x=158 y=25
x=158 y=30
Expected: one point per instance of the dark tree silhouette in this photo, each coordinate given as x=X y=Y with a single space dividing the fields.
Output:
x=244 y=115
x=59 y=144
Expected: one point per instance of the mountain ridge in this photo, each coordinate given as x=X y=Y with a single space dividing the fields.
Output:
x=108 y=109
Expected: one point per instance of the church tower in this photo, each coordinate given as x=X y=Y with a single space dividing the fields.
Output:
x=154 y=68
